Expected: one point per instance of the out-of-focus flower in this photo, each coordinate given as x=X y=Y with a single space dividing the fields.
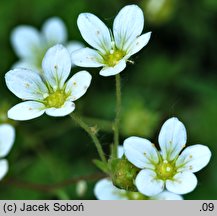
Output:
x=7 y=137
x=105 y=190
x=48 y=92
x=81 y=188
x=31 y=45
x=167 y=168
x=111 y=51
x=159 y=11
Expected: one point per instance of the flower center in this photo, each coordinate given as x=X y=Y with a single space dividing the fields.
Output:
x=56 y=99
x=165 y=170
x=112 y=58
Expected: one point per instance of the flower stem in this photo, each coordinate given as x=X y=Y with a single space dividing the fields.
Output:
x=92 y=134
x=118 y=112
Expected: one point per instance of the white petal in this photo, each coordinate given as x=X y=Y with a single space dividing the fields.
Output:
x=26 y=40
x=194 y=158
x=66 y=109
x=120 y=151
x=26 y=84
x=105 y=190
x=138 y=44
x=140 y=152
x=54 y=31
x=73 y=46
x=78 y=84
x=26 y=110
x=7 y=136
x=56 y=65
x=128 y=25
x=182 y=183
x=94 y=32
x=110 y=71
x=166 y=195
x=172 y=138
x=148 y=184
x=87 y=57
x=3 y=168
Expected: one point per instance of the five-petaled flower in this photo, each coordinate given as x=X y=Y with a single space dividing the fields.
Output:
x=111 y=51
x=105 y=190
x=167 y=168
x=7 y=136
x=31 y=45
x=47 y=92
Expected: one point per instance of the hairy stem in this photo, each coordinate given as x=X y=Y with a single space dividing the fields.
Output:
x=118 y=112
x=92 y=134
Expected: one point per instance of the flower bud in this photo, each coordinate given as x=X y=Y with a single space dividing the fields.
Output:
x=123 y=174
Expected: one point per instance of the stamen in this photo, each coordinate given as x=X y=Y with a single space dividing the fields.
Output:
x=56 y=99
x=113 y=57
x=165 y=170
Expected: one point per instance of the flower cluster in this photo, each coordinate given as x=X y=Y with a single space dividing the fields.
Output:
x=156 y=174
x=105 y=190
x=40 y=79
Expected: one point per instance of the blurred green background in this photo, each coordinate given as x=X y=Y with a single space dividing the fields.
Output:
x=174 y=75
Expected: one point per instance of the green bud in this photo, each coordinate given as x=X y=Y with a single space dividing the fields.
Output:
x=123 y=174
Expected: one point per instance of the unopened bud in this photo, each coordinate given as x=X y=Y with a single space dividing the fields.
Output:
x=123 y=174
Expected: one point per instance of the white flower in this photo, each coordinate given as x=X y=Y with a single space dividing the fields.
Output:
x=167 y=168
x=111 y=51
x=31 y=45
x=105 y=190
x=48 y=92
x=7 y=136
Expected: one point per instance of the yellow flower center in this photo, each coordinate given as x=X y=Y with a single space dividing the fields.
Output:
x=56 y=99
x=112 y=58
x=165 y=170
